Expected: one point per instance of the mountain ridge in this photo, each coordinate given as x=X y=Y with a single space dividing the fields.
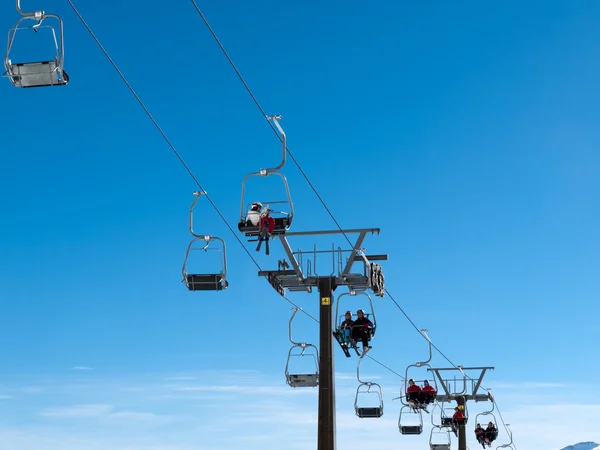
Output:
x=583 y=446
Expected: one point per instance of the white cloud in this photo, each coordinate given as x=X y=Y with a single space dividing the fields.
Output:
x=78 y=411
x=138 y=416
x=180 y=378
x=219 y=410
x=529 y=385
x=108 y=412
x=82 y=368
x=345 y=376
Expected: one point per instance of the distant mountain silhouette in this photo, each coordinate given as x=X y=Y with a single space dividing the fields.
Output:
x=583 y=446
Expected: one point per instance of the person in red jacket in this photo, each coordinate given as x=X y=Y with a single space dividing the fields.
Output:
x=413 y=393
x=266 y=227
x=458 y=419
x=480 y=435
x=266 y=221
x=428 y=393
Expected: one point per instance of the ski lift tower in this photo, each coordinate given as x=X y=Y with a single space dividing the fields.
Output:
x=461 y=389
x=303 y=276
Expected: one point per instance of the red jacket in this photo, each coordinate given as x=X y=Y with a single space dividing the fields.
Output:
x=413 y=388
x=458 y=417
x=269 y=222
x=429 y=390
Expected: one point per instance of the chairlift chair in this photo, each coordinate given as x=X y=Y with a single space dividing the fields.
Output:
x=439 y=439
x=485 y=417
x=283 y=219
x=37 y=73
x=410 y=369
x=369 y=313
x=301 y=350
x=410 y=420
x=510 y=445
x=204 y=281
x=368 y=403
x=311 y=379
x=339 y=318
x=506 y=446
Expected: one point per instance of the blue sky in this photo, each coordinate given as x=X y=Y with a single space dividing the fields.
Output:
x=465 y=131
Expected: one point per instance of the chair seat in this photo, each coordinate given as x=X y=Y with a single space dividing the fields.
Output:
x=369 y=412
x=411 y=429
x=439 y=446
x=205 y=282
x=299 y=380
x=281 y=225
x=36 y=74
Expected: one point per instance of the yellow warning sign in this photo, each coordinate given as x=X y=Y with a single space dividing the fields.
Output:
x=326 y=301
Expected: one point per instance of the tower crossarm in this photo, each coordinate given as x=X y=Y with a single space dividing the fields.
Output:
x=450 y=393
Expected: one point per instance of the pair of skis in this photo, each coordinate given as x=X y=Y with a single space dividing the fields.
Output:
x=346 y=348
x=264 y=235
x=418 y=405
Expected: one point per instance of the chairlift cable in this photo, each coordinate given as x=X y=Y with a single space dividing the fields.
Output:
x=383 y=365
x=168 y=141
x=417 y=328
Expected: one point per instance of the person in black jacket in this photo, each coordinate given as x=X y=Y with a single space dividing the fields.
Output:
x=491 y=433
x=361 y=331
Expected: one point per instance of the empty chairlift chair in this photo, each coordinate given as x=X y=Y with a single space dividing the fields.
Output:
x=302 y=366
x=439 y=439
x=302 y=378
x=47 y=72
x=410 y=420
x=196 y=280
x=277 y=207
x=205 y=281
x=368 y=403
x=510 y=445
